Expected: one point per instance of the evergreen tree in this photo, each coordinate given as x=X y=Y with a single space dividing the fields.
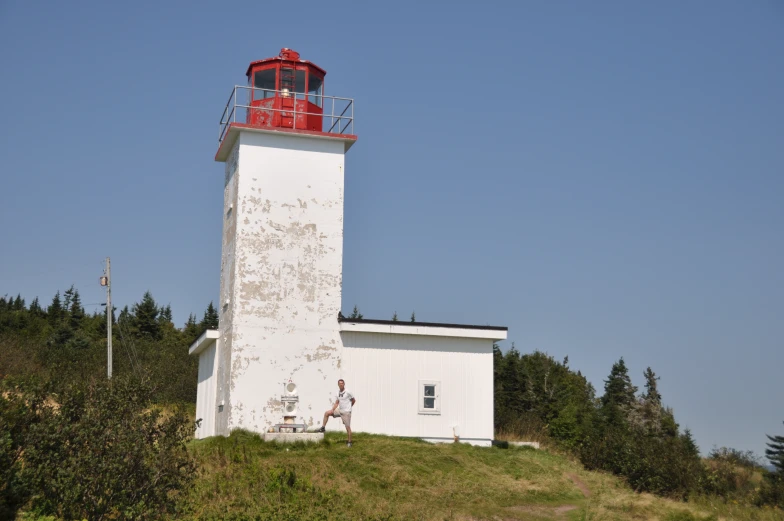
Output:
x=19 y=303
x=689 y=443
x=514 y=385
x=35 y=308
x=355 y=314
x=55 y=310
x=651 y=406
x=145 y=317
x=210 y=320
x=67 y=297
x=669 y=427
x=619 y=394
x=76 y=311
x=498 y=360
x=191 y=329
x=394 y=317
x=775 y=453
x=651 y=388
x=125 y=315
x=57 y=315
x=166 y=315
x=413 y=316
x=618 y=388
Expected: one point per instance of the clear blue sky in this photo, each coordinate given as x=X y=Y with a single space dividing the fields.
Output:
x=606 y=179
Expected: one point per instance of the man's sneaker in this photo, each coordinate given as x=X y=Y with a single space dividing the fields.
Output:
x=321 y=429
x=348 y=444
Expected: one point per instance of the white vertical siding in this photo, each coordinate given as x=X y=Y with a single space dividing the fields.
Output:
x=384 y=370
x=205 y=392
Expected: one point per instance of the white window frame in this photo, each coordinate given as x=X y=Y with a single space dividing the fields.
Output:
x=421 y=394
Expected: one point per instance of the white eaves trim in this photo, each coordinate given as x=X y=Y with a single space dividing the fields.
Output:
x=204 y=341
x=420 y=330
x=234 y=130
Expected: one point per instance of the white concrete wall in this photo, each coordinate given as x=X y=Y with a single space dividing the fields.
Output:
x=205 y=393
x=384 y=370
x=281 y=278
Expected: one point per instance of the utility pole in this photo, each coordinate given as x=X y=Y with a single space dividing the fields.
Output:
x=107 y=281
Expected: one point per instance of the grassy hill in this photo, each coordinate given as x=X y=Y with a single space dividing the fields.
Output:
x=384 y=478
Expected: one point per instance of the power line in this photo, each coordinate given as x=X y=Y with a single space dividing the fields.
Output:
x=128 y=354
x=129 y=348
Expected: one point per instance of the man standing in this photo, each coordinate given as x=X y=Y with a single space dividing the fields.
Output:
x=341 y=409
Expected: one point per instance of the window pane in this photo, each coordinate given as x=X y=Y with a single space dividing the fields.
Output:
x=287 y=81
x=264 y=80
x=430 y=403
x=430 y=390
x=315 y=89
x=299 y=84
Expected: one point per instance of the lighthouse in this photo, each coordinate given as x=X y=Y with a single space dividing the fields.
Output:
x=283 y=141
x=282 y=247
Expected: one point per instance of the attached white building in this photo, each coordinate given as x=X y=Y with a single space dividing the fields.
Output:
x=281 y=278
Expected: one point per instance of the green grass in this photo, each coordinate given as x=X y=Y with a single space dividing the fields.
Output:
x=385 y=478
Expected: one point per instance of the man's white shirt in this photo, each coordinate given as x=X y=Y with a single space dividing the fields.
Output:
x=344 y=400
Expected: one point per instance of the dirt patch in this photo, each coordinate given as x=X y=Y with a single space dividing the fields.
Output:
x=579 y=484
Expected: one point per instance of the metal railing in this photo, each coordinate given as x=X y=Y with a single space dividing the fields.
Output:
x=339 y=119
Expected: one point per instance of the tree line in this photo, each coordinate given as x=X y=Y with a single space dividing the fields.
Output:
x=624 y=431
x=63 y=343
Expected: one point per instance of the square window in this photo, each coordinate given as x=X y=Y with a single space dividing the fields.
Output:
x=429 y=397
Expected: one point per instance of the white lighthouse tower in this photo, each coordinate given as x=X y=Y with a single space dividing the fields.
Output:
x=283 y=143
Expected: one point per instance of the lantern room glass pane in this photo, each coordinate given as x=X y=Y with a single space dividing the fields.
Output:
x=315 y=90
x=292 y=81
x=264 y=80
x=299 y=84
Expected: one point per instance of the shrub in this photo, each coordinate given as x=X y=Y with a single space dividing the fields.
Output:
x=730 y=474
x=18 y=412
x=526 y=427
x=661 y=466
x=772 y=491
x=103 y=451
x=742 y=458
x=570 y=427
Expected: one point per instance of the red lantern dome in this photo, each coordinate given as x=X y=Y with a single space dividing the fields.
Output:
x=286 y=92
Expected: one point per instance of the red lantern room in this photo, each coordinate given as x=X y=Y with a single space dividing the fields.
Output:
x=286 y=92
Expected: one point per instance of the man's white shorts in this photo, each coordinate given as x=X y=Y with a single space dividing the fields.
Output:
x=345 y=416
